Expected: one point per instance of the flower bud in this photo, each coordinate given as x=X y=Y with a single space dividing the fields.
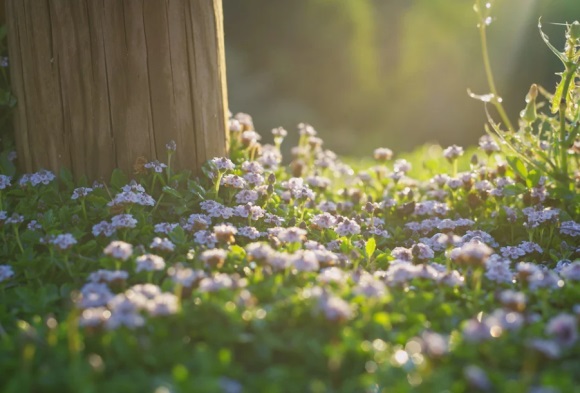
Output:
x=529 y=113
x=574 y=30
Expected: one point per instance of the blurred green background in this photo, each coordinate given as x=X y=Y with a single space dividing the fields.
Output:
x=393 y=73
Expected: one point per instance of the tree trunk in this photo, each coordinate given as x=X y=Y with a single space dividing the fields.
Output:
x=100 y=83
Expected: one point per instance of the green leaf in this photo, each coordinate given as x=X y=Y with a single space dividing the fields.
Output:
x=533 y=178
x=513 y=189
x=370 y=247
x=561 y=56
x=172 y=191
x=555 y=107
x=238 y=251
x=177 y=236
x=383 y=319
x=518 y=167
x=67 y=178
x=118 y=178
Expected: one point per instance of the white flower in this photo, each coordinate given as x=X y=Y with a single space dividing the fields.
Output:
x=4 y=182
x=41 y=177
x=133 y=186
x=14 y=219
x=165 y=227
x=225 y=233
x=163 y=304
x=6 y=272
x=156 y=166
x=33 y=225
x=249 y=232
x=335 y=308
x=64 y=241
x=223 y=164
x=347 y=227
x=149 y=263
x=185 y=276
x=233 y=181
x=332 y=274
x=292 y=235
x=122 y=221
x=197 y=222
x=488 y=145
x=162 y=244
x=218 y=282
x=571 y=272
x=214 y=257
x=570 y=228
x=473 y=253
x=383 y=154
x=131 y=197
x=402 y=166
x=252 y=167
x=119 y=250
x=205 y=238
x=564 y=328
x=247 y=196
x=103 y=228
x=323 y=221
x=94 y=317
x=81 y=192
x=171 y=145
x=108 y=276
x=304 y=261
x=95 y=295
x=453 y=152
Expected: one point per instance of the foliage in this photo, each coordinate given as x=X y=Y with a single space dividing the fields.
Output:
x=443 y=270
x=545 y=142
x=312 y=277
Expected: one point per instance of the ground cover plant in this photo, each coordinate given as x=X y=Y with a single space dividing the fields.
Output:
x=444 y=271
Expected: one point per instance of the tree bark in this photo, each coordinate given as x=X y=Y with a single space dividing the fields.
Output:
x=100 y=83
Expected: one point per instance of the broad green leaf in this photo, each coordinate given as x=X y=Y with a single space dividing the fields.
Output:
x=533 y=178
x=118 y=178
x=172 y=191
x=66 y=177
x=371 y=246
x=518 y=167
x=177 y=235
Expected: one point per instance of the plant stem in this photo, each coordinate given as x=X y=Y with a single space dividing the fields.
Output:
x=17 y=235
x=218 y=180
x=157 y=204
x=489 y=74
x=563 y=106
x=84 y=208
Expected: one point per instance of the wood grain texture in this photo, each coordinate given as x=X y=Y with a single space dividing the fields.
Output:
x=100 y=83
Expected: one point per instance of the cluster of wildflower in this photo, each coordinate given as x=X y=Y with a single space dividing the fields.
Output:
x=119 y=250
x=104 y=309
x=132 y=194
x=63 y=241
x=5 y=182
x=288 y=225
x=6 y=272
x=80 y=192
x=162 y=244
x=34 y=179
x=156 y=166
x=120 y=221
